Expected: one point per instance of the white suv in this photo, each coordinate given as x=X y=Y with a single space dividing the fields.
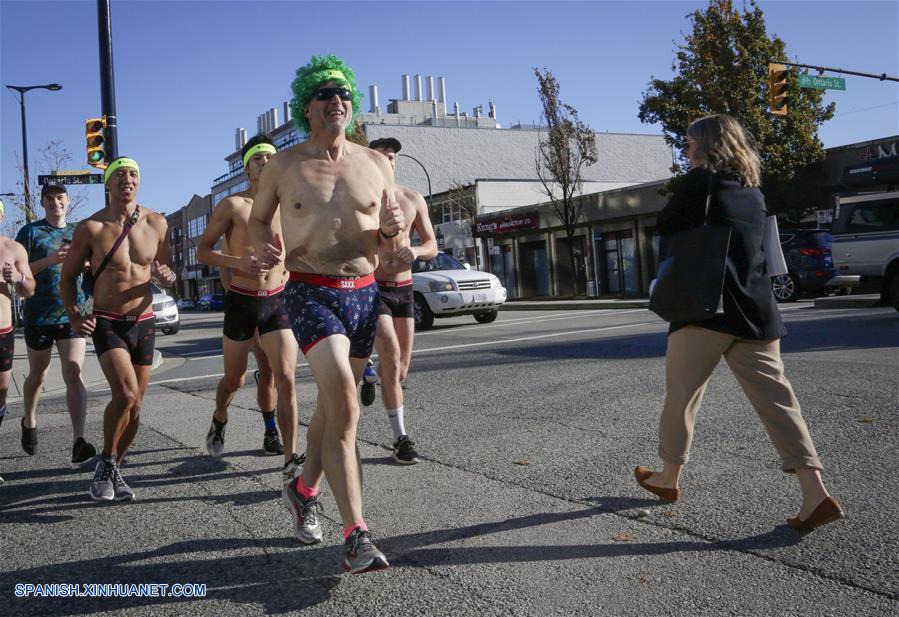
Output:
x=444 y=287
x=167 y=317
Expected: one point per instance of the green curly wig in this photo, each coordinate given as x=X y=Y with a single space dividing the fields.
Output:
x=309 y=77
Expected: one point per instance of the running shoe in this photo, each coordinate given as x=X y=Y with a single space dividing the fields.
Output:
x=29 y=439
x=215 y=440
x=291 y=471
x=404 y=451
x=102 y=487
x=271 y=444
x=121 y=491
x=306 y=526
x=82 y=452
x=361 y=554
x=369 y=379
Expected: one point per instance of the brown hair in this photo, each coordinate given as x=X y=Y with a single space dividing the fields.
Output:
x=723 y=145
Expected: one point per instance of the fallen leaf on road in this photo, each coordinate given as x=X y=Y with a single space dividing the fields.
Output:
x=521 y=462
x=623 y=537
x=670 y=513
x=643 y=580
x=866 y=420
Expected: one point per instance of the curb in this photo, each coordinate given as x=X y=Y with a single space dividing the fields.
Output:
x=563 y=305
x=860 y=301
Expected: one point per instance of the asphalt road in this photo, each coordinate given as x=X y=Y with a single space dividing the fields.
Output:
x=525 y=504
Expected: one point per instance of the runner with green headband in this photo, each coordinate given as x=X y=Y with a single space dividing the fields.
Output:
x=254 y=315
x=132 y=242
x=337 y=208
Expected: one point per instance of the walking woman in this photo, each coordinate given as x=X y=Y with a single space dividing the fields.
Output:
x=748 y=331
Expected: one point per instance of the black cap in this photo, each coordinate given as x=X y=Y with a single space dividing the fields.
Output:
x=388 y=143
x=49 y=187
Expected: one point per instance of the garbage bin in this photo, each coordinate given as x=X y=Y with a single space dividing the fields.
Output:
x=591 y=289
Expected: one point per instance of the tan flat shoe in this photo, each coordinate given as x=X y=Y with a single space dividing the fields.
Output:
x=827 y=511
x=666 y=494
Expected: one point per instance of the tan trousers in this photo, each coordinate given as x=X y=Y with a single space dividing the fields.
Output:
x=693 y=353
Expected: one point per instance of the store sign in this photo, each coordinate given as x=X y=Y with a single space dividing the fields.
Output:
x=508 y=224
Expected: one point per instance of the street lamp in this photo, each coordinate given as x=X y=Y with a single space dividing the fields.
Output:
x=22 y=90
x=420 y=164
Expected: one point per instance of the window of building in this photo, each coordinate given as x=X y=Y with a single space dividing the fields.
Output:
x=196 y=226
x=191 y=256
x=450 y=213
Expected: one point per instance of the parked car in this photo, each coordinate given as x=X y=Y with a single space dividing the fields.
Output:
x=211 y=302
x=866 y=241
x=168 y=318
x=444 y=287
x=809 y=264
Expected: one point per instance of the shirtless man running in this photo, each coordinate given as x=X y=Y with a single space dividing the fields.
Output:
x=396 y=320
x=16 y=275
x=338 y=210
x=253 y=305
x=131 y=241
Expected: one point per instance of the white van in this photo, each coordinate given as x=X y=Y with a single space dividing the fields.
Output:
x=866 y=240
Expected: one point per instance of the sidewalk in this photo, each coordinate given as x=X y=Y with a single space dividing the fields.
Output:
x=461 y=542
x=828 y=302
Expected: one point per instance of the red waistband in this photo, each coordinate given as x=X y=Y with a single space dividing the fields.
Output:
x=259 y=293
x=6 y=330
x=121 y=317
x=395 y=283
x=337 y=282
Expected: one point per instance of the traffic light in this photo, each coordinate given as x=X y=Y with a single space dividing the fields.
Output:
x=777 y=89
x=94 y=129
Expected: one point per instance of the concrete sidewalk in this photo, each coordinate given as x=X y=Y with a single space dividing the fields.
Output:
x=829 y=302
x=461 y=540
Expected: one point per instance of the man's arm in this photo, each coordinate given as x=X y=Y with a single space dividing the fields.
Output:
x=161 y=270
x=259 y=227
x=79 y=252
x=20 y=274
x=390 y=217
x=219 y=224
x=422 y=224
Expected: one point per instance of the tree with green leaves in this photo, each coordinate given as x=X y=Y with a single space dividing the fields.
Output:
x=569 y=145
x=722 y=67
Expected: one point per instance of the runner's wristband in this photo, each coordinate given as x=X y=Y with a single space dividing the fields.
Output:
x=393 y=235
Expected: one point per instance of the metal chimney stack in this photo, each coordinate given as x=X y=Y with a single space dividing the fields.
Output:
x=456 y=113
x=274 y=115
x=287 y=116
x=430 y=81
x=441 y=93
x=492 y=109
x=373 y=95
x=476 y=112
x=405 y=87
x=418 y=87
x=237 y=144
x=259 y=128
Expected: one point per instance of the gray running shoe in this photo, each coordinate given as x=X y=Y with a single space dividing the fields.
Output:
x=271 y=444
x=304 y=512
x=291 y=471
x=215 y=440
x=361 y=554
x=122 y=491
x=102 y=487
x=404 y=451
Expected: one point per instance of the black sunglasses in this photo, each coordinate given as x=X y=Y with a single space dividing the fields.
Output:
x=326 y=94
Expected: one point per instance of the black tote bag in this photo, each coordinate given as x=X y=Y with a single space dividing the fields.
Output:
x=690 y=276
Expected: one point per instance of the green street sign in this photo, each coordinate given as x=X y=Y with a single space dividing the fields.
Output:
x=87 y=178
x=821 y=83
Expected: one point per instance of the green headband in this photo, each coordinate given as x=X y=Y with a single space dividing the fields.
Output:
x=330 y=75
x=119 y=163
x=258 y=148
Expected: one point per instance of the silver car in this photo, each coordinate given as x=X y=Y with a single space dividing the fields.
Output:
x=167 y=317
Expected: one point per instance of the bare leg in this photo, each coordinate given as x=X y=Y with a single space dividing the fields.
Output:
x=336 y=379
x=38 y=363
x=119 y=372
x=265 y=385
x=389 y=362
x=281 y=350
x=71 y=360
x=143 y=378
x=235 y=356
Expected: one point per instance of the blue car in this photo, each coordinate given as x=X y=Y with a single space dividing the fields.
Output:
x=809 y=264
x=211 y=302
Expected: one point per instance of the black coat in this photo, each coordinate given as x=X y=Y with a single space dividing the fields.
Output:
x=750 y=311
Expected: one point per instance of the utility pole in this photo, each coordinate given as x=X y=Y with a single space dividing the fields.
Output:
x=107 y=80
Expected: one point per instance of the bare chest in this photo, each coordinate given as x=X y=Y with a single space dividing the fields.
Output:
x=138 y=247
x=325 y=190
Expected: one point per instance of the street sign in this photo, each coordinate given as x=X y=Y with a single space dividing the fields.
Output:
x=68 y=180
x=71 y=172
x=821 y=83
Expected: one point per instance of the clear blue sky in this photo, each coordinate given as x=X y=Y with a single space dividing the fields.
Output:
x=188 y=73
